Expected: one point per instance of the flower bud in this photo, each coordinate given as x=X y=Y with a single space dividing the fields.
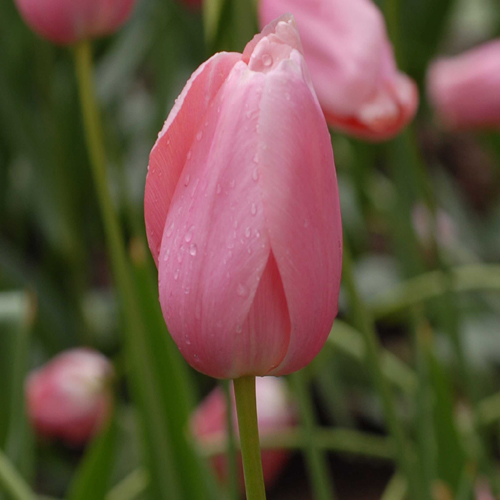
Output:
x=68 y=21
x=242 y=213
x=352 y=65
x=464 y=90
x=275 y=412
x=69 y=398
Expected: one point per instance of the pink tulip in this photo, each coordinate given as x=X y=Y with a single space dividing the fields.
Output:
x=352 y=65
x=242 y=213
x=275 y=412
x=69 y=398
x=465 y=89
x=68 y=21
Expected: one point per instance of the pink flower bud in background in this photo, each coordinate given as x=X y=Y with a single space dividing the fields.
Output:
x=352 y=65
x=275 y=412
x=464 y=90
x=242 y=213
x=68 y=21
x=69 y=398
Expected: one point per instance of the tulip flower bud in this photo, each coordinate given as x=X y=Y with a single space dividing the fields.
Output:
x=69 y=398
x=352 y=65
x=242 y=213
x=275 y=412
x=464 y=90
x=68 y=21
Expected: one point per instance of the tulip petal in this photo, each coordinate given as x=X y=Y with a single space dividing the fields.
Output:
x=301 y=206
x=169 y=154
x=215 y=259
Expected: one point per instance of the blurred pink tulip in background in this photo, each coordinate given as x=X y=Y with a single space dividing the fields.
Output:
x=69 y=21
x=242 y=213
x=465 y=90
x=275 y=412
x=69 y=398
x=352 y=65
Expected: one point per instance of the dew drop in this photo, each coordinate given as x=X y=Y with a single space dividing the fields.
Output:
x=248 y=232
x=256 y=158
x=189 y=235
x=187 y=290
x=180 y=254
x=176 y=274
x=267 y=60
x=255 y=175
x=167 y=255
x=241 y=290
x=306 y=222
x=253 y=210
x=239 y=329
x=193 y=249
x=249 y=250
x=257 y=234
x=186 y=180
x=189 y=155
x=230 y=244
x=199 y=135
x=170 y=230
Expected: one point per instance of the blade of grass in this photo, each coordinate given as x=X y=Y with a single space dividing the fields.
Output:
x=315 y=458
x=12 y=482
x=92 y=477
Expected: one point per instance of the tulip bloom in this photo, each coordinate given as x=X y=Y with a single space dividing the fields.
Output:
x=242 y=213
x=69 y=398
x=352 y=65
x=464 y=90
x=275 y=412
x=69 y=21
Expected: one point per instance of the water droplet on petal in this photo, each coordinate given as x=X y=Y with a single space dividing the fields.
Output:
x=241 y=290
x=186 y=180
x=199 y=135
x=187 y=290
x=169 y=230
x=239 y=329
x=253 y=209
x=255 y=175
x=167 y=255
x=306 y=222
x=267 y=60
x=193 y=249
x=248 y=232
x=189 y=235
x=176 y=274
x=189 y=155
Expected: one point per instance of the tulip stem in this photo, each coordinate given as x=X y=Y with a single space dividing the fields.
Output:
x=246 y=407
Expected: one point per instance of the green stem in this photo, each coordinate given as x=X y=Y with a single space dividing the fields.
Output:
x=315 y=457
x=365 y=324
x=231 y=444
x=12 y=482
x=246 y=406
x=144 y=382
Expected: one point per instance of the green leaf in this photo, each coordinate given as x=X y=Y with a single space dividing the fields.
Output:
x=92 y=478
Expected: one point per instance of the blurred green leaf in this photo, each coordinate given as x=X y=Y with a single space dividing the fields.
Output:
x=92 y=477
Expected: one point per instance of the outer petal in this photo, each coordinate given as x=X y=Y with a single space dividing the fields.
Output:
x=169 y=154
x=301 y=206
x=215 y=259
